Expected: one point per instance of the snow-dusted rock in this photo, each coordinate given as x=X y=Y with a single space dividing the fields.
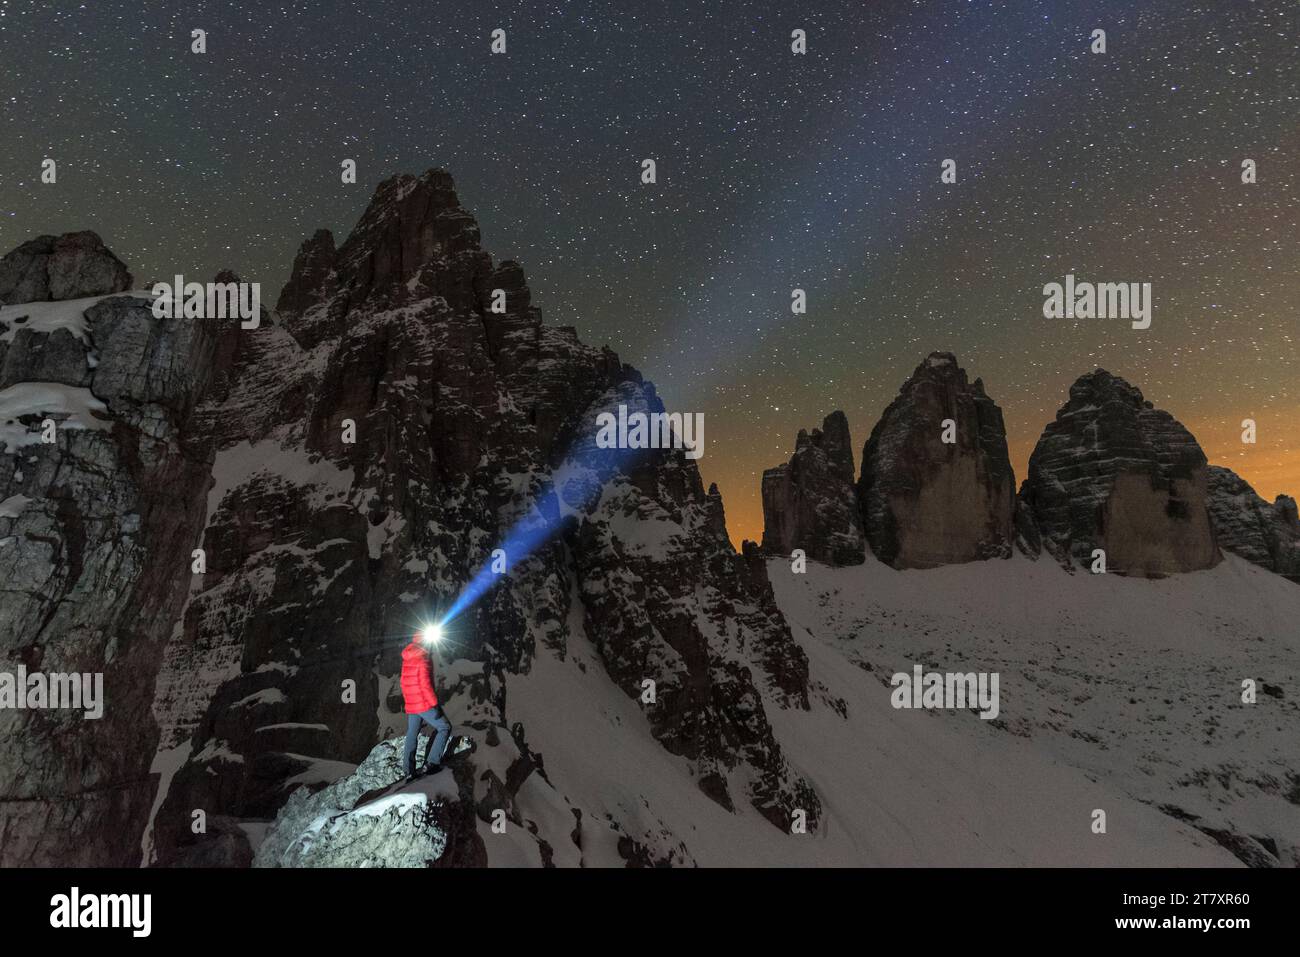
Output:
x=333 y=827
x=1114 y=473
x=1263 y=533
x=926 y=502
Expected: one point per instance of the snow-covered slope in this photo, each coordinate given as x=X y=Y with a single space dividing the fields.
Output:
x=1116 y=694
x=897 y=787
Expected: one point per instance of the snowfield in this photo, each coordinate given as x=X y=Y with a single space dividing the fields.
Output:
x=1116 y=693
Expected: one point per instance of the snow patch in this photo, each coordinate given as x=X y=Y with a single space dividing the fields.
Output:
x=48 y=317
x=241 y=463
x=71 y=406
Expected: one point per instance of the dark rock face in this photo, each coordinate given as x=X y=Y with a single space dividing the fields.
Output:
x=468 y=426
x=926 y=502
x=312 y=282
x=1247 y=525
x=71 y=266
x=1114 y=473
x=810 y=502
x=96 y=531
x=413 y=243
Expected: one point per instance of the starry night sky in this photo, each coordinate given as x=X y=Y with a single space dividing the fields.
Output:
x=775 y=171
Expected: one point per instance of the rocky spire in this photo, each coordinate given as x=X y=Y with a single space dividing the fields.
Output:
x=313 y=279
x=1115 y=473
x=926 y=501
x=810 y=503
x=413 y=241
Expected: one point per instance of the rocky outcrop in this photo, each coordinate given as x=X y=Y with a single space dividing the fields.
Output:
x=71 y=266
x=1246 y=525
x=1114 y=473
x=928 y=502
x=810 y=502
x=366 y=819
x=649 y=525
x=414 y=243
x=96 y=532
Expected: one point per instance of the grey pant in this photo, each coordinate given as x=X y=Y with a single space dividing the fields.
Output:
x=435 y=719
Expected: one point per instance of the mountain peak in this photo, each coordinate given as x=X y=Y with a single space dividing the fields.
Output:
x=1098 y=386
x=809 y=503
x=1114 y=473
x=414 y=241
x=929 y=501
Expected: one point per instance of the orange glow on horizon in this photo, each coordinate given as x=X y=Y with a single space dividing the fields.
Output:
x=1269 y=466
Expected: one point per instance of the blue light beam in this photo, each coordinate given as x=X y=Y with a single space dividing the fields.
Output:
x=537 y=528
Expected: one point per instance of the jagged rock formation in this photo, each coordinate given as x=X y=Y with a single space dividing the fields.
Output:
x=1115 y=473
x=810 y=502
x=468 y=424
x=926 y=502
x=1247 y=525
x=51 y=268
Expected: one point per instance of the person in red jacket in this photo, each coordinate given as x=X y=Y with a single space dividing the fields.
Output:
x=422 y=708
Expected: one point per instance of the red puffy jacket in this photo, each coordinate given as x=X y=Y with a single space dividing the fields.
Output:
x=417 y=680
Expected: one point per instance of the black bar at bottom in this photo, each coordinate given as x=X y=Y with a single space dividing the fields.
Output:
x=401 y=908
